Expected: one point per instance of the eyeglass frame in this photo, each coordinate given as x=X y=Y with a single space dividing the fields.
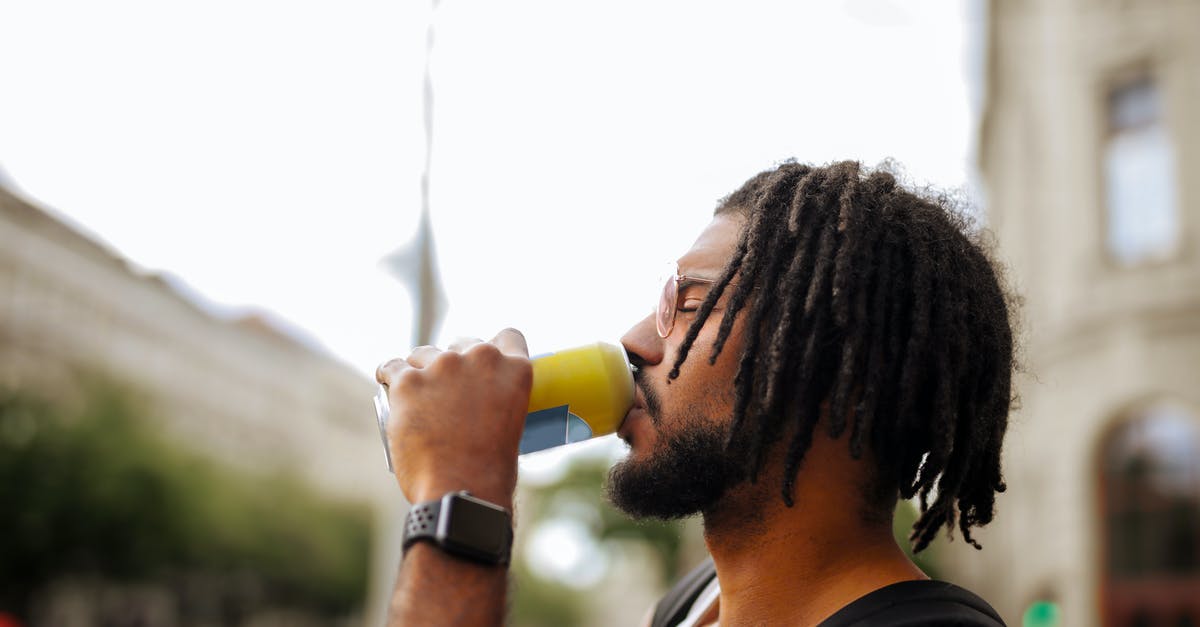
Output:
x=670 y=292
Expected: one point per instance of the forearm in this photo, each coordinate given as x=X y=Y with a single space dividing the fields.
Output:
x=455 y=424
x=435 y=588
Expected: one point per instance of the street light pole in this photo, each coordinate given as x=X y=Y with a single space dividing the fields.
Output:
x=415 y=264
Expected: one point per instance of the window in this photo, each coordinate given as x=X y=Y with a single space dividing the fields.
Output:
x=1139 y=171
x=1150 y=487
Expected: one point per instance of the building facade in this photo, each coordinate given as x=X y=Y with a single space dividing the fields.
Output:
x=239 y=390
x=1090 y=141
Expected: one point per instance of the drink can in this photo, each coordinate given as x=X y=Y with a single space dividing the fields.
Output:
x=577 y=394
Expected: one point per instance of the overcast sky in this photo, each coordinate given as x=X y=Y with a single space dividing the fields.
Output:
x=268 y=153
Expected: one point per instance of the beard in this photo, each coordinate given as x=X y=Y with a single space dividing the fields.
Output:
x=689 y=474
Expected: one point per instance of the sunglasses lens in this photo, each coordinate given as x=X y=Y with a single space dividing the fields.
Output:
x=666 y=308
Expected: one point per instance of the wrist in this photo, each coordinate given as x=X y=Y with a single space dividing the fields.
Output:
x=498 y=493
x=464 y=526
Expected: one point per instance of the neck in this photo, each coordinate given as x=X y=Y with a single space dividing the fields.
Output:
x=799 y=565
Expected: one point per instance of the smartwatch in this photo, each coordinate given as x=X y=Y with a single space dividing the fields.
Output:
x=464 y=526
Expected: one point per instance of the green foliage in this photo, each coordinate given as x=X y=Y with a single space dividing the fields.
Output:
x=96 y=491
x=541 y=603
x=538 y=602
x=579 y=492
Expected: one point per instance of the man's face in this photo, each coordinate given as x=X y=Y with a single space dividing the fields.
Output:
x=676 y=431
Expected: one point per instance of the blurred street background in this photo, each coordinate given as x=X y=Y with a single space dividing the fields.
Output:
x=217 y=218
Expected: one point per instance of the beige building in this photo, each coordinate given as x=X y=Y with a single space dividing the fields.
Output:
x=1089 y=149
x=239 y=389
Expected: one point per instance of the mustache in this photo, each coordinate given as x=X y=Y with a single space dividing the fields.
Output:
x=653 y=402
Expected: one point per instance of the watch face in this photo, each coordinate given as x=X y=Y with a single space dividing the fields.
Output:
x=475 y=525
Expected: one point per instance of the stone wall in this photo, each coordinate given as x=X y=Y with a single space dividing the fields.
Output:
x=1099 y=337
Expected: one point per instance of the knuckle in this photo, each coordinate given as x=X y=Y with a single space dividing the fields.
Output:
x=407 y=379
x=487 y=353
x=448 y=360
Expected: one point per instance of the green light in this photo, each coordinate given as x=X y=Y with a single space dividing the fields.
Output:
x=1042 y=614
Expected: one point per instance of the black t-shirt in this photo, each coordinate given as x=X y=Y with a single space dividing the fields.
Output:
x=903 y=604
x=913 y=603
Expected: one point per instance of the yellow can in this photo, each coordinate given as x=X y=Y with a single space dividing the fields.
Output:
x=578 y=393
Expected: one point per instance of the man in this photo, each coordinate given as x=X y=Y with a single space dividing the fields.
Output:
x=830 y=343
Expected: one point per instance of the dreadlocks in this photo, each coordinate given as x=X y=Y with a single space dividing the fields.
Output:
x=881 y=306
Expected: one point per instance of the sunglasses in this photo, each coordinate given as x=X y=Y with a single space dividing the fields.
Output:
x=669 y=299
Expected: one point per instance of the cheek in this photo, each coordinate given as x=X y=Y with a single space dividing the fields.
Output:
x=710 y=381
x=702 y=393
x=702 y=390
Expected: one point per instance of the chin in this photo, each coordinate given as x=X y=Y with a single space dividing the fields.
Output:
x=672 y=475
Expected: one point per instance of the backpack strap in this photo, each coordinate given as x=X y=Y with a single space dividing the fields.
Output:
x=675 y=605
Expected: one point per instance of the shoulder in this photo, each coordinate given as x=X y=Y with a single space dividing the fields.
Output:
x=912 y=603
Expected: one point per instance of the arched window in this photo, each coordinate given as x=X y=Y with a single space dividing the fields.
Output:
x=1150 y=496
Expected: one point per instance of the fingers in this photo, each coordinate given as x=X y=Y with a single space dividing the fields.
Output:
x=422 y=356
x=512 y=343
x=387 y=371
x=461 y=344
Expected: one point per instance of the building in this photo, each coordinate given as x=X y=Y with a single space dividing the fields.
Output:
x=243 y=390
x=1090 y=141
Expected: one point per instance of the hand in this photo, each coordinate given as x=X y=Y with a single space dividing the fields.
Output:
x=457 y=416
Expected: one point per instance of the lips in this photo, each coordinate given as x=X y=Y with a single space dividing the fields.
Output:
x=639 y=405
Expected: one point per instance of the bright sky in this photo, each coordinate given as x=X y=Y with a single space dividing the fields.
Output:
x=268 y=152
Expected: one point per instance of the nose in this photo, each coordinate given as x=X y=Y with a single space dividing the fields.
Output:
x=643 y=344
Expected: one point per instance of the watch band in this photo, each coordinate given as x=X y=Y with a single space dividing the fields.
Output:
x=462 y=525
x=421 y=522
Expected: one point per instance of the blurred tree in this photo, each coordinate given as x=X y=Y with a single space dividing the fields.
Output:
x=97 y=492
x=578 y=495
x=539 y=601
